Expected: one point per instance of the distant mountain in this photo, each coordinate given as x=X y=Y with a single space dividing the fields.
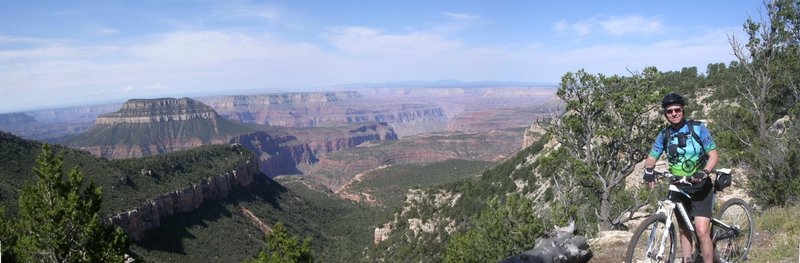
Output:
x=144 y=127
x=11 y=119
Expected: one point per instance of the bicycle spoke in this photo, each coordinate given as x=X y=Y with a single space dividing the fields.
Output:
x=732 y=244
x=645 y=245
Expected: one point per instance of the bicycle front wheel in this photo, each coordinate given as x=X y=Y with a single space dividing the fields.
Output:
x=646 y=246
x=731 y=244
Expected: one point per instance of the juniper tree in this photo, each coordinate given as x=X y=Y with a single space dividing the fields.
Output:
x=768 y=91
x=59 y=218
x=282 y=247
x=606 y=129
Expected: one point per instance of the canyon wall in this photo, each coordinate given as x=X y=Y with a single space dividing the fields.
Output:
x=149 y=214
x=325 y=109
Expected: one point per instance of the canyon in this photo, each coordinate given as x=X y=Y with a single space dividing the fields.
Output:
x=281 y=151
x=320 y=139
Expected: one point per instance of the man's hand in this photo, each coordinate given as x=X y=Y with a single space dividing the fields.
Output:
x=698 y=177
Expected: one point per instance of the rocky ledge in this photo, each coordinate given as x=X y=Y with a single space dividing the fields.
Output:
x=149 y=214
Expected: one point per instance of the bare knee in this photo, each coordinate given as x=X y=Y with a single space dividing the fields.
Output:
x=703 y=228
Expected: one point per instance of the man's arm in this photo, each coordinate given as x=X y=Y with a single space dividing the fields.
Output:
x=713 y=157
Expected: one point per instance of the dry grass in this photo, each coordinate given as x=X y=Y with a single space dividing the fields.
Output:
x=778 y=236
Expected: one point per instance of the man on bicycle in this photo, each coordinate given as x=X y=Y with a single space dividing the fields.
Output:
x=691 y=153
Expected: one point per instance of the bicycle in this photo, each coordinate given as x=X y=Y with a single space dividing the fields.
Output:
x=655 y=240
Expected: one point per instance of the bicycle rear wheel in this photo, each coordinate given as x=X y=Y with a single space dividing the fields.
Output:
x=645 y=243
x=733 y=244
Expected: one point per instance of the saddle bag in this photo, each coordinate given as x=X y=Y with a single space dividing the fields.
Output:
x=723 y=180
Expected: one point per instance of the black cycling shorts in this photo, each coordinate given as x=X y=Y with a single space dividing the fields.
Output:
x=701 y=203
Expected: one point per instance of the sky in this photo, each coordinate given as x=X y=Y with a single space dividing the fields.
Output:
x=65 y=53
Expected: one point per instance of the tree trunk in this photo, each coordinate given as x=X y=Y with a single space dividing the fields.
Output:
x=605 y=211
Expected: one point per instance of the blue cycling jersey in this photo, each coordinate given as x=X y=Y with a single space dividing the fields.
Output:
x=684 y=159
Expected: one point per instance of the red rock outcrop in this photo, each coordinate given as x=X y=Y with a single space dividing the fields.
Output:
x=149 y=214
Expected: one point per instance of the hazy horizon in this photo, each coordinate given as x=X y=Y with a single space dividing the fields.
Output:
x=79 y=52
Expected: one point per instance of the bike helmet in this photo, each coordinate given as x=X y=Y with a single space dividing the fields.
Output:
x=672 y=98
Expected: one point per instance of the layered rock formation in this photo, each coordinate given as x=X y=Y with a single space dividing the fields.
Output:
x=281 y=152
x=403 y=113
x=325 y=109
x=284 y=109
x=149 y=214
x=144 y=127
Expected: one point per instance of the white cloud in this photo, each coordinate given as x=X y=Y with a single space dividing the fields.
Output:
x=560 y=26
x=460 y=16
x=582 y=28
x=614 y=25
x=130 y=89
x=631 y=25
x=363 y=41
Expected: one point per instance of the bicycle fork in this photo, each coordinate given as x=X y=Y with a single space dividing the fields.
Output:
x=666 y=208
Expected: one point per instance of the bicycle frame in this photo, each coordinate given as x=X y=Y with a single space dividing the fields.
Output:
x=668 y=207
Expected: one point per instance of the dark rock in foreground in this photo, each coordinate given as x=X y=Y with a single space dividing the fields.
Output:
x=562 y=247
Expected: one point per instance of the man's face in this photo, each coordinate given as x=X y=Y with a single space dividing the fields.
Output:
x=674 y=113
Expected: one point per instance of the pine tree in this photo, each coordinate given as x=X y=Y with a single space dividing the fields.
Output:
x=59 y=218
x=285 y=248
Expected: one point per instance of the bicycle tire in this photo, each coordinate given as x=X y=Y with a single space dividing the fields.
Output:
x=638 y=246
x=727 y=248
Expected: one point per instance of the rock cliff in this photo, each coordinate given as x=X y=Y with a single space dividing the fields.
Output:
x=282 y=151
x=149 y=214
x=144 y=127
x=532 y=134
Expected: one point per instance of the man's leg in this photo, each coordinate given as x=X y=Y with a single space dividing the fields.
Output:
x=686 y=243
x=703 y=227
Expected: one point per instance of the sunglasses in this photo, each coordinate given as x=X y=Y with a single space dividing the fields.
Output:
x=675 y=110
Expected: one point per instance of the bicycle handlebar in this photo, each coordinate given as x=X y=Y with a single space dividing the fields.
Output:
x=683 y=179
